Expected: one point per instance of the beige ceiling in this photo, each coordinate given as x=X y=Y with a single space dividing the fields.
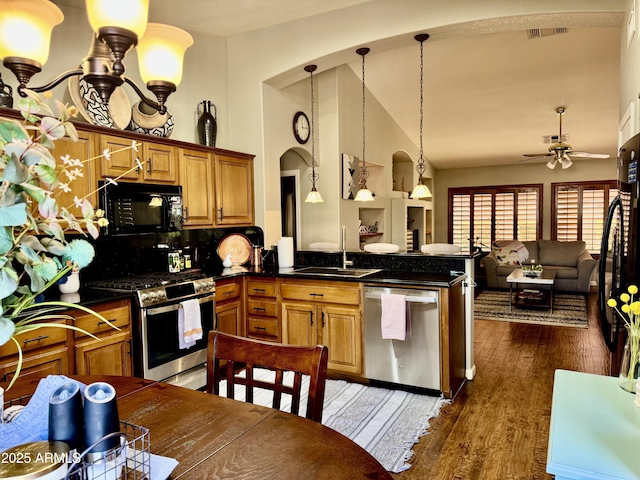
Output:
x=489 y=98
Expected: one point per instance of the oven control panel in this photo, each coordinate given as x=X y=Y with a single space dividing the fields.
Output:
x=174 y=292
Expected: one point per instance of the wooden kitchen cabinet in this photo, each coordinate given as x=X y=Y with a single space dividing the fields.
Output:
x=229 y=316
x=197 y=195
x=262 y=309
x=45 y=352
x=160 y=161
x=111 y=353
x=86 y=185
x=327 y=313
x=234 y=189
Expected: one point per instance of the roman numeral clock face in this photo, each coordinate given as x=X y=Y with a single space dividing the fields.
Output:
x=301 y=128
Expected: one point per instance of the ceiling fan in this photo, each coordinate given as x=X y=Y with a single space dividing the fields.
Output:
x=562 y=152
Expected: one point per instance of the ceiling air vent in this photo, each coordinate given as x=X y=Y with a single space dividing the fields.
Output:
x=545 y=32
x=554 y=138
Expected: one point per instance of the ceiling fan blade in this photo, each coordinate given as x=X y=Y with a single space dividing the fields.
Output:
x=537 y=155
x=532 y=157
x=589 y=155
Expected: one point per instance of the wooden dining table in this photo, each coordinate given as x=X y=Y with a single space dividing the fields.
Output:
x=214 y=437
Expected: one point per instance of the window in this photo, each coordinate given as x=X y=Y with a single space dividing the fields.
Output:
x=486 y=214
x=579 y=210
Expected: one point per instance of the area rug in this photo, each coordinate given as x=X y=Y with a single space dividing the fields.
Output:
x=568 y=310
x=386 y=423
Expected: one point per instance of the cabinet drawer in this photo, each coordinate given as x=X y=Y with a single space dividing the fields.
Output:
x=42 y=337
x=227 y=291
x=321 y=293
x=261 y=289
x=262 y=327
x=262 y=308
x=120 y=317
x=35 y=366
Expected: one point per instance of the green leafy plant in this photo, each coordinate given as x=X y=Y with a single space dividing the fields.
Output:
x=34 y=253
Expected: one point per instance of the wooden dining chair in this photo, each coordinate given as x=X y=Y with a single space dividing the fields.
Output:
x=239 y=353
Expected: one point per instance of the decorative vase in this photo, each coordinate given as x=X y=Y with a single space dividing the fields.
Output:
x=207 y=126
x=72 y=284
x=630 y=365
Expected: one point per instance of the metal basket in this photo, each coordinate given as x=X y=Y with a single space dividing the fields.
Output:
x=130 y=461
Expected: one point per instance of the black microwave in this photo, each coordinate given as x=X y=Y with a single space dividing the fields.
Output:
x=141 y=208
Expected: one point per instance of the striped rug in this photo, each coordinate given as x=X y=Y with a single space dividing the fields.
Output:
x=386 y=423
x=568 y=310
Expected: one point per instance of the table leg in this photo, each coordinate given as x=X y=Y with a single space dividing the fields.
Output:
x=511 y=296
x=551 y=299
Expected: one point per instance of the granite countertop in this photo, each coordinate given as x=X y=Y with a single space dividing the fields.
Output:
x=389 y=277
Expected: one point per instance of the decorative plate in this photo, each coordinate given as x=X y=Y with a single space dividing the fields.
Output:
x=236 y=245
x=87 y=100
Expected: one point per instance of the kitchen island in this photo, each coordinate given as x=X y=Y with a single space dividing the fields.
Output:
x=286 y=306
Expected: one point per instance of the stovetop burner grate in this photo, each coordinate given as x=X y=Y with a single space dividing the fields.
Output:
x=146 y=280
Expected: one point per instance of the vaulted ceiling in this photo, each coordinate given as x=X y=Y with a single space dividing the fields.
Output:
x=489 y=98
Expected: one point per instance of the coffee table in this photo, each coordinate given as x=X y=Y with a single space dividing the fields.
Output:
x=533 y=292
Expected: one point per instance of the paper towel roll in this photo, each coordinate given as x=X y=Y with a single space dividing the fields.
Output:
x=285 y=252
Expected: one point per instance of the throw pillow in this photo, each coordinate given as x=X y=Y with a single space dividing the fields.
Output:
x=510 y=252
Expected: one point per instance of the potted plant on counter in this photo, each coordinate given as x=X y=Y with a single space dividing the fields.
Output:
x=34 y=252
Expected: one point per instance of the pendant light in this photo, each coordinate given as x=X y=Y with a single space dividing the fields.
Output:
x=364 y=194
x=314 y=195
x=421 y=190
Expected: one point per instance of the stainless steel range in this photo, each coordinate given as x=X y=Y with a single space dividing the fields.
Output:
x=157 y=298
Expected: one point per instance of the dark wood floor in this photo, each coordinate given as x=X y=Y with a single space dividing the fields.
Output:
x=498 y=425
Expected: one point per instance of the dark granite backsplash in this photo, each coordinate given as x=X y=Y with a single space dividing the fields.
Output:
x=407 y=262
x=127 y=255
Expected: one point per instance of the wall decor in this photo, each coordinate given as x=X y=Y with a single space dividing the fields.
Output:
x=350 y=176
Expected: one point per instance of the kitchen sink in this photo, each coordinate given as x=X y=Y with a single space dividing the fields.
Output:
x=335 y=271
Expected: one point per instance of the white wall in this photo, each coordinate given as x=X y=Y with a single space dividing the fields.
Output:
x=630 y=67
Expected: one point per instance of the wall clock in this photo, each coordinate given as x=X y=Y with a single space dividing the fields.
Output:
x=301 y=129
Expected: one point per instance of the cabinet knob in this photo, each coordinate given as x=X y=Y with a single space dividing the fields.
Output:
x=150 y=168
x=36 y=339
x=220 y=212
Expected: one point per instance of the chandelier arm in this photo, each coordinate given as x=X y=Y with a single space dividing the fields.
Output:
x=54 y=83
x=155 y=105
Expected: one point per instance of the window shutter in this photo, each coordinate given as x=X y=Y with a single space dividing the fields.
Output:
x=504 y=216
x=567 y=214
x=482 y=217
x=461 y=220
x=527 y=215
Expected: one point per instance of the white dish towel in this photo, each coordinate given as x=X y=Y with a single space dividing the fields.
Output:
x=393 y=321
x=189 y=323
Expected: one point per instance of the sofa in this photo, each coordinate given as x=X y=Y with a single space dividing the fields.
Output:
x=571 y=261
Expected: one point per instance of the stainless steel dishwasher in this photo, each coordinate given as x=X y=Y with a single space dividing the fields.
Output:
x=416 y=360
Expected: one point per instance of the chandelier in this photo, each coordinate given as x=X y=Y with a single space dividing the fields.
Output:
x=363 y=194
x=421 y=190
x=119 y=25
x=314 y=195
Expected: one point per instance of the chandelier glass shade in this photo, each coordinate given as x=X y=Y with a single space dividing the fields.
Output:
x=421 y=190
x=314 y=195
x=562 y=158
x=25 y=33
x=363 y=194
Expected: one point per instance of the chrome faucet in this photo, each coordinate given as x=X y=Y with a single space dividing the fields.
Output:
x=345 y=263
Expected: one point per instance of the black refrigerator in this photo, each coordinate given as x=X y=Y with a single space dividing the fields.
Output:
x=619 y=264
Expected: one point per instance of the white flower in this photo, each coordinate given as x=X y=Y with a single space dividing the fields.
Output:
x=106 y=154
x=64 y=187
x=134 y=145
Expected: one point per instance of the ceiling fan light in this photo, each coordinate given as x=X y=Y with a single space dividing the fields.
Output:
x=566 y=162
x=552 y=163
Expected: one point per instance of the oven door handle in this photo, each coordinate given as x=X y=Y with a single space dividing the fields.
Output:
x=176 y=306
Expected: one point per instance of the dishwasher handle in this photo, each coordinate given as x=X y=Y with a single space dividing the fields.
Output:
x=408 y=298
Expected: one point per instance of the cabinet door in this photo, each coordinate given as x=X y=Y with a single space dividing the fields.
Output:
x=122 y=158
x=110 y=355
x=229 y=318
x=196 y=176
x=162 y=163
x=341 y=333
x=299 y=324
x=234 y=190
x=51 y=362
x=84 y=186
